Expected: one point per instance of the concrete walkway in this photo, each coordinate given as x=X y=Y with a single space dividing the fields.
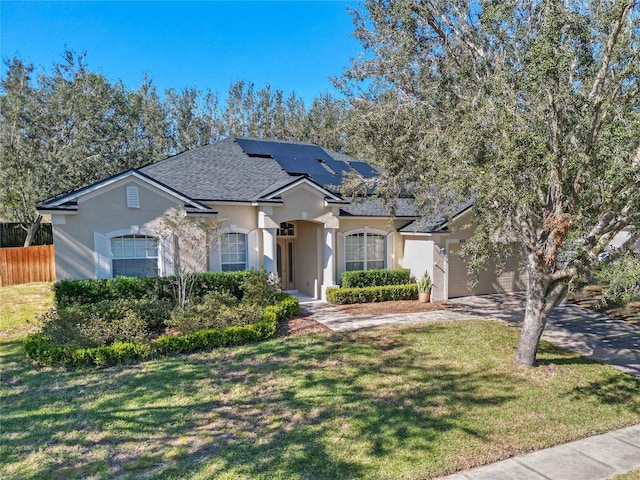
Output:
x=593 y=458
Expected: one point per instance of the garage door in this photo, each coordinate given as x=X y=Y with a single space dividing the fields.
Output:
x=510 y=280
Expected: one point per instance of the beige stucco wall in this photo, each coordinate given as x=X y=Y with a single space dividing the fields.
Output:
x=241 y=216
x=103 y=211
x=300 y=203
x=307 y=252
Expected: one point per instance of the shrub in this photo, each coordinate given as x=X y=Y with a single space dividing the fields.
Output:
x=202 y=315
x=375 y=278
x=385 y=293
x=241 y=314
x=104 y=323
x=621 y=282
x=259 y=288
x=40 y=348
x=73 y=292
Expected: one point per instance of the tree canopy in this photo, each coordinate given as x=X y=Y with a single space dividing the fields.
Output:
x=531 y=108
x=68 y=127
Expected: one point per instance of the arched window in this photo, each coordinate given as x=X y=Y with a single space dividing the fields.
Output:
x=134 y=256
x=233 y=248
x=364 y=251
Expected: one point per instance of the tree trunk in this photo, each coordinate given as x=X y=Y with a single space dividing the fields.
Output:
x=31 y=231
x=543 y=295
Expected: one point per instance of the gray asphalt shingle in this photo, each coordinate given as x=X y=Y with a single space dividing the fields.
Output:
x=220 y=171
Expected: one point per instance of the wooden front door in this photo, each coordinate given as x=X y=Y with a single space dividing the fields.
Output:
x=286 y=264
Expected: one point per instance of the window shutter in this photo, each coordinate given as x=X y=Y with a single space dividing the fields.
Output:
x=340 y=256
x=133 y=197
x=254 y=249
x=214 y=256
x=102 y=255
x=390 y=252
x=167 y=256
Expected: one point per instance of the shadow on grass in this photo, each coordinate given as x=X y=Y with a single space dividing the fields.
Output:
x=621 y=389
x=319 y=406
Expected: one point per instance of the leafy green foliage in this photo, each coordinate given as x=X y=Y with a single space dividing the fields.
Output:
x=530 y=109
x=424 y=283
x=203 y=314
x=70 y=292
x=69 y=127
x=375 y=278
x=342 y=296
x=259 y=288
x=105 y=323
x=41 y=348
x=621 y=281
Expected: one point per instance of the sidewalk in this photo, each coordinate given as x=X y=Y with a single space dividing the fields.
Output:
x=594 y=458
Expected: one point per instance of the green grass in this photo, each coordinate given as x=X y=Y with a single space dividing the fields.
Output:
x=634 y=475
x=413 y=402
x=19 y=305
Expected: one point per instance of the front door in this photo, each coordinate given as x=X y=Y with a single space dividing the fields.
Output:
x=286 y=270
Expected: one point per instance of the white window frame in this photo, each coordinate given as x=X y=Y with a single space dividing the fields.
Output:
x=366 y=231
x=138 y=240
x=234 y=231
x=104 y=258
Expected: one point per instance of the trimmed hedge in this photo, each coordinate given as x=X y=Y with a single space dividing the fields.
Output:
x=342 y=296
x=40 y=349
x=69 y=292
x=375 y=278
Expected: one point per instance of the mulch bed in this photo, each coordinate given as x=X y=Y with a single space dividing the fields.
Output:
x=396 y=306
x=300 y=325
x=589 y=297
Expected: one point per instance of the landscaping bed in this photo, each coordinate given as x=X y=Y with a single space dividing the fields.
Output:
x=101 y=323
x=590 y=296
x=392 y=306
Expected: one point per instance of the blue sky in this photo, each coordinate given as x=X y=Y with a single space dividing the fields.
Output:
x=290 y=45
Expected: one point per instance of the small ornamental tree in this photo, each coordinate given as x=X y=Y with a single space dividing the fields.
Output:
x=185 y=242
x=530 y=108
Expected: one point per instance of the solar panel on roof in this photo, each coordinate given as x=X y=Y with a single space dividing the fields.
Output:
x=364 y=169
x=341 y=168
x=290 y=164
x=327 y=179
x=252 y=147
x=304 y=159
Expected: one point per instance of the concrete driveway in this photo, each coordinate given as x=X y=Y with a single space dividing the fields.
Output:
x=570 y=326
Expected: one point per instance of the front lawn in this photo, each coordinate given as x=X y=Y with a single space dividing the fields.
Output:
x=19 y=305
x=414 y=402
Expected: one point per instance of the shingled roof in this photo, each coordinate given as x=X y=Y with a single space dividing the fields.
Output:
x=223 y=171
x=220 y=171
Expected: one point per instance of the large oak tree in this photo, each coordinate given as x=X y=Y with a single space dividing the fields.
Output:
x=532 y=108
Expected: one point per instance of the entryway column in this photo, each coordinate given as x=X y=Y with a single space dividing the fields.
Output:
x=329 y=271
x=269 y=248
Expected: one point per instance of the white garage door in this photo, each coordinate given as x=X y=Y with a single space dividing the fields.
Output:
x=510 y=280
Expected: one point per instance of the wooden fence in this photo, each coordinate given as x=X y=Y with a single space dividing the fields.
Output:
x=27 y=264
